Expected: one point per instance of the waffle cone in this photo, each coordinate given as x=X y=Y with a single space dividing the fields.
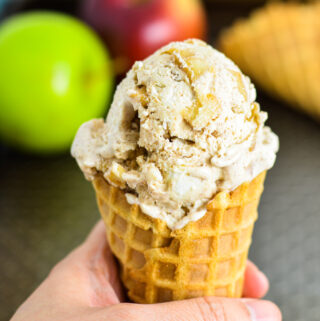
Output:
x=278 y=47
x=206 y=257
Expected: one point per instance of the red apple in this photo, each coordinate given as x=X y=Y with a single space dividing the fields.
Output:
x=134 y=29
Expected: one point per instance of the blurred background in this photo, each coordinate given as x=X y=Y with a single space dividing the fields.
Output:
x=59 y=64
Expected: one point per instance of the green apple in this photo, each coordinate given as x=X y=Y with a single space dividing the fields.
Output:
x=54 y=75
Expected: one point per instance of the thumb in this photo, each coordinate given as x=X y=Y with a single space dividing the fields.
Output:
x=220 y=309
x=200 y=309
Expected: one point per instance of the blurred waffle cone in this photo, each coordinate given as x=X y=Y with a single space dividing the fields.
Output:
x=206 y=257
x=251 y=2
x=278 y=47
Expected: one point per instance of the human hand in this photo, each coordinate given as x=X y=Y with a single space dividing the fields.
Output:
x=85 y=287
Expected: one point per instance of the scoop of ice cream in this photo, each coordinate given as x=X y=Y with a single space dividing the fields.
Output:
x=183 y=126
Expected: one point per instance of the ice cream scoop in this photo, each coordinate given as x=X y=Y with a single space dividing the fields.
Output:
x=183 y=126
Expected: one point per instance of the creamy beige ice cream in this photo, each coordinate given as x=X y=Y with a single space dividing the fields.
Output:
x=183 y=126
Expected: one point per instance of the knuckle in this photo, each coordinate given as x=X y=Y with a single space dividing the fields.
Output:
x=68 y=264
x=276 y=311
x=54 y=270
x=59 y=269
x=211 y=309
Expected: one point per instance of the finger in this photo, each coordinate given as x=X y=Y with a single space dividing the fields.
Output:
x=221 y=309
x=92 y=270
x=256 y=284
x=97 y=253
x=205 y=308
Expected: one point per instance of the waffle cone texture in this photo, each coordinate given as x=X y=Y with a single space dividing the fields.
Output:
x=206 y=257
x=278 y=47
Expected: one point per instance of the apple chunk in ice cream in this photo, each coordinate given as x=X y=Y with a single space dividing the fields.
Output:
x=183 y=126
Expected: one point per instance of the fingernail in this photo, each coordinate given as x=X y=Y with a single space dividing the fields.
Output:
x=261 y=310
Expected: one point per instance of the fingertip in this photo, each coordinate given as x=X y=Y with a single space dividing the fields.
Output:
x=262 y=284
x=261 y=310
x=256 y=284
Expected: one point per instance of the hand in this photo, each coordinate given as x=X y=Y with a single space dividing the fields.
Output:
x=85 y=287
